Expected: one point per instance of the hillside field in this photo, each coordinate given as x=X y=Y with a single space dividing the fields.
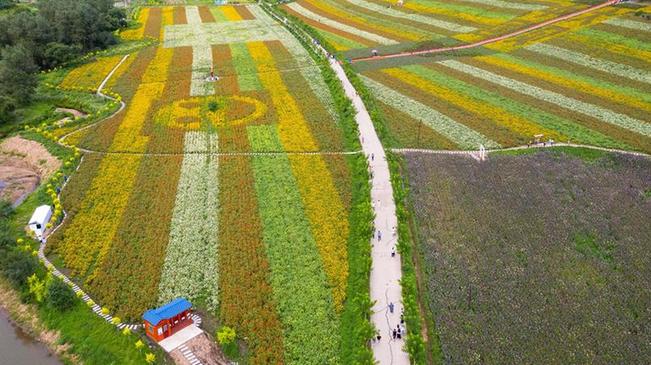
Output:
x=585 y=80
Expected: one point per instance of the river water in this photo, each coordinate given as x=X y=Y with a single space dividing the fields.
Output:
x=18 y=348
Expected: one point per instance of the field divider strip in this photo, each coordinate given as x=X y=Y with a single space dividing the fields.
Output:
x=516 y=148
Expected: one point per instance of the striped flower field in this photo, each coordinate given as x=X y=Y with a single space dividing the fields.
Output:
x=587 y=82
x=361 y=24
x=174 y=201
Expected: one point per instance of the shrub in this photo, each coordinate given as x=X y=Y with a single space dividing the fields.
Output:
x=225 y=335
x=36 y=287
x=60 y=296
x=17 y=267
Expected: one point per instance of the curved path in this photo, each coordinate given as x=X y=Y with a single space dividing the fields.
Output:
x=490 y=40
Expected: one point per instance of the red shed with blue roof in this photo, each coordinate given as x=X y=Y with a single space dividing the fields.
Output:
x=163 y=322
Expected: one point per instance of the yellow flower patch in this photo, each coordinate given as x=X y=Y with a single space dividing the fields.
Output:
x=482 y=110
x=137 y=33
x=230 y=13
x=328 y=219
x=91 y=74
x=566 y=82
x=88 y=239
x=293 y=130
x=192 y=113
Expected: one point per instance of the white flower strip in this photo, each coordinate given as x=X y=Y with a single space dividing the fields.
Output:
x=594 y=63
x=190 y=267
x=508 y=4
x=458 y=133
x=454 y=27
x=241 y=31
x=201 y=55
x=603 y=114
x=307 y=67
x=335 y=24
x=630 y=24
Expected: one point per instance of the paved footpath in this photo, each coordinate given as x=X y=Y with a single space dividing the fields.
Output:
x=385 y=270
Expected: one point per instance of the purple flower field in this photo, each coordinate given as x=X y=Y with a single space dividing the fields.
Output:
x=540 y=258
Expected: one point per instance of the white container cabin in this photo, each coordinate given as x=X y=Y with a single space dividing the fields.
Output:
x=40 y=219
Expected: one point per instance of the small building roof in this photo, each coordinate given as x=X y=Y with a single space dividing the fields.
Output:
x=169 y=310
x=41 y=215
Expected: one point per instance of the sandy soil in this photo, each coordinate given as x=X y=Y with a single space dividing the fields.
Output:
x=23 y=165
x=204 y=349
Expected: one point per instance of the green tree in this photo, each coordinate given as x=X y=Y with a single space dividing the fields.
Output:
x=17 y=74
x=17 y=267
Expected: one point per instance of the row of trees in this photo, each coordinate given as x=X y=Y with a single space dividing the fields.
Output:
x=46 y=36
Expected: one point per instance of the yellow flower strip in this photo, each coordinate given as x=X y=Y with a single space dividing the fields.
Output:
x=89 y=236
x=452 y=14
x=91 y=74
x=230 y=13
x=137 y=33
x=328 y=218
x=325 y=210
x=167 y=15
x=294 y=132
x=566 y=82
x=482 y=110
x=350 y=19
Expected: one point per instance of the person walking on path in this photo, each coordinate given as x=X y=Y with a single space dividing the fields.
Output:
x=393 y=251
x=391 y=306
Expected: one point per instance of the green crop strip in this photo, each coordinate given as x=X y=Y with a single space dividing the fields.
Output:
x=297 y=276
x=247 y=76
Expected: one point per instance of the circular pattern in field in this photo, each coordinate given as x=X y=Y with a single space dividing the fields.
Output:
x=211 y=112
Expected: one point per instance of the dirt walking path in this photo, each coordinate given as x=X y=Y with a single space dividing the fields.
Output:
x=490 y=40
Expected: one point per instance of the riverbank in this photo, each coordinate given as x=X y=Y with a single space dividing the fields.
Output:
x=25 y=316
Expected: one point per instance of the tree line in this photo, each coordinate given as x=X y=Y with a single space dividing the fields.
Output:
x=47 y=35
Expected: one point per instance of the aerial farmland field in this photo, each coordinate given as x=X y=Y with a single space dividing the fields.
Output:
x=319 y=182
x=585 y=80
x=178 y=195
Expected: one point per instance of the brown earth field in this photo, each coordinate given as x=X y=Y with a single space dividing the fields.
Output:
x=539 y=258
x=23 y=165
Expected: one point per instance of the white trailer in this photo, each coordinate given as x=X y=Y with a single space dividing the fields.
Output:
x=40 y=219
